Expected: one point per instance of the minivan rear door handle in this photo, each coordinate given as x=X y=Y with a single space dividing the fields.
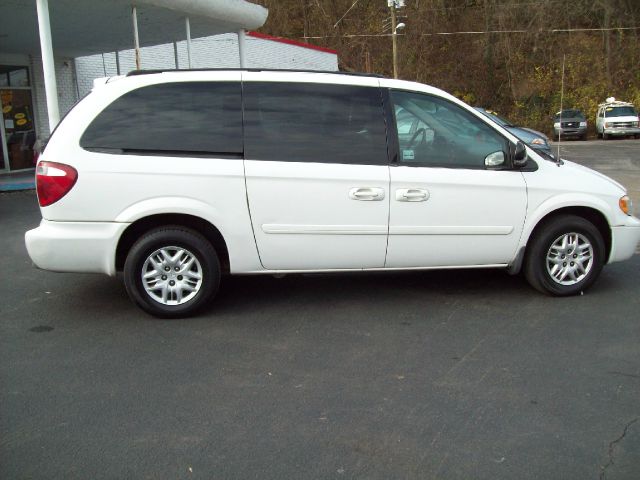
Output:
x=412 y=195
x=366 y=193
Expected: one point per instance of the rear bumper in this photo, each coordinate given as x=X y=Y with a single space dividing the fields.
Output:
x=75 y=246
x=625 y=240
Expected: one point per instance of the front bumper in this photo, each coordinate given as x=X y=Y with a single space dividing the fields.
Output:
x=86 y=247
x=570 y=132
x=622 y=132
x=625 y=240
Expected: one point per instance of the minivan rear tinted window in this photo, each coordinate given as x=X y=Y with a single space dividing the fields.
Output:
x=197 y=117
x=307 y=122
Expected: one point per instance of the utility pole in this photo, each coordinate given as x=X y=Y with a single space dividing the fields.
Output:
x=394 y=37
x=393 y=4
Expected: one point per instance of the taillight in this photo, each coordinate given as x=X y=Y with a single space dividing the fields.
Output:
x=53 y=181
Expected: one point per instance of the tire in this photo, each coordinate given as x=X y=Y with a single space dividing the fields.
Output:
x=583 y=137
x=547 y=245
x=598 y=134
x=192 y=264
x=605 y=136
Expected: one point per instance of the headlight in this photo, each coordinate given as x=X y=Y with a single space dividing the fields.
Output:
x=634 y=124
x=583 y=124
x=556 y=125
x=626 y=205
x=538 y=141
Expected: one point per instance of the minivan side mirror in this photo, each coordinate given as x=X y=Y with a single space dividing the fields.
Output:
x=495 y=159
x=520 y=155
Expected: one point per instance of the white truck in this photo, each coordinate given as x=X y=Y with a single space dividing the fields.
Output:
x=617 y=119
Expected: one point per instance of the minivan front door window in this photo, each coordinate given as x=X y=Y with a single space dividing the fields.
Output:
x=444 y=135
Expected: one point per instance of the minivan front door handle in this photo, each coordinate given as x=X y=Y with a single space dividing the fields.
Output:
x=412 y=195
x=366 y=194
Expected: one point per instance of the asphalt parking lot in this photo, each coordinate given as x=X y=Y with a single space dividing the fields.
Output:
x=617 y=158
x=449 y=375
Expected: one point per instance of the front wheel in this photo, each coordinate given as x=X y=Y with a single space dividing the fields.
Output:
x=565 y=256
x=172 y=272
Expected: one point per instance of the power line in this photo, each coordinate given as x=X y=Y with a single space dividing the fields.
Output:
x=345 y=13
x=483 y=32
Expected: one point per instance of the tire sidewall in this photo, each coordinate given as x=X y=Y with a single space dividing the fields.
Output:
x=537 y=262
x=174 y=237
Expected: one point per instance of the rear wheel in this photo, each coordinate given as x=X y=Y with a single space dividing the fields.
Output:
x=171 y=272
x=565 y=256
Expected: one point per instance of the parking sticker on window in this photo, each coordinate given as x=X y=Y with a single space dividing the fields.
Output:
x=408 y=155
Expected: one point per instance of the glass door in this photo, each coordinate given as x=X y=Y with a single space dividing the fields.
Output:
x=18 y=123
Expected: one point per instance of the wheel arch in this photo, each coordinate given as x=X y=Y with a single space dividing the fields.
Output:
x=593 y=215
x=198 y=224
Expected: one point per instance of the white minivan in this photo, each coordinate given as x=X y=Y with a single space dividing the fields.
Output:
x=177 y=177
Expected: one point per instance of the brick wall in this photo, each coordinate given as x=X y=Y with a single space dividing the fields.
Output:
x=67 y=91
x=75 y=76
x=219 y=51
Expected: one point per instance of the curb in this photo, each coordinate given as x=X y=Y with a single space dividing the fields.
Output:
x=16 y=187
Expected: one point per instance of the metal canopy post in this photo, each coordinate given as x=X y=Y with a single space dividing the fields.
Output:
x=48 y=64
x=5 y=152
x=242 y=50
x=136 y=40
x=188 y=28
x=175 y=55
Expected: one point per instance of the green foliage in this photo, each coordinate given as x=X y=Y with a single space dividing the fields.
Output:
x=514 y=67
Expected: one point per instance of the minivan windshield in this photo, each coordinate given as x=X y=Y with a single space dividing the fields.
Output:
x=620 y=112
x=570 y=114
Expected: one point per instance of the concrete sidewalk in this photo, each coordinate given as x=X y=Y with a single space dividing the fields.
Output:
x=18 y=181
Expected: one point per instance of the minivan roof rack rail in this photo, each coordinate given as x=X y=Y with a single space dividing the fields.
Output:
x=284 y=70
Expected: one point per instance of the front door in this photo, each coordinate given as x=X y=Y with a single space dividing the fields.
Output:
x=448 y=208
x=317 y=174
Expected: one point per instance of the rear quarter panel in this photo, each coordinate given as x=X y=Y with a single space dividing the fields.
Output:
x=126 y=188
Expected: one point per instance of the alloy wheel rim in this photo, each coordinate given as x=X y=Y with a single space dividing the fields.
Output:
x=172 y=275
x=569 y=259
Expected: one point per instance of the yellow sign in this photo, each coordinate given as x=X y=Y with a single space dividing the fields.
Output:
x=21 y=122
x=19 y=116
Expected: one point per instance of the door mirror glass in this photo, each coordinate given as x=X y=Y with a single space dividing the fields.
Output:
x=520 y=155
x=495 y=159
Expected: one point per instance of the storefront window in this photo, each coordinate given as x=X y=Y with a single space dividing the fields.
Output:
x=17 y=118
x=14 y=76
